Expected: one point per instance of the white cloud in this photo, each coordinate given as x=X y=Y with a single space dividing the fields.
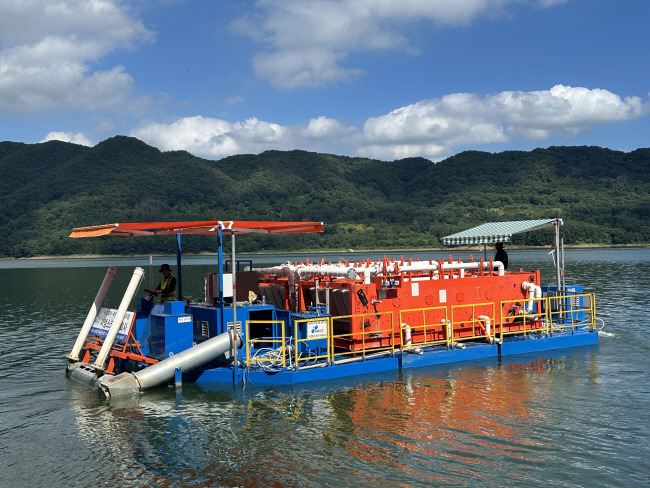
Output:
x=215 y=138
x=291 y=68
x=322 y=128
x=74 y=137
x=47 y=48
x=433 y=128
x=307 y=41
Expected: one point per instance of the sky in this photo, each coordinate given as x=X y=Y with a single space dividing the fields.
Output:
x=384 y=79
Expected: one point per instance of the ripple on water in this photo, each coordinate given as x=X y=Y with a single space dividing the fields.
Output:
x=567 y=418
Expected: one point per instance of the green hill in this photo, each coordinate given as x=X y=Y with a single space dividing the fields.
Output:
x=47 y=189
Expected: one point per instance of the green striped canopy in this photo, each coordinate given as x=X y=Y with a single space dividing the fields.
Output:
x=493 y=232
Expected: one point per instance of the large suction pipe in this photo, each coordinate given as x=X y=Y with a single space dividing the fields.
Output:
x=133 y=383
x=92 y=314
x=100 y=362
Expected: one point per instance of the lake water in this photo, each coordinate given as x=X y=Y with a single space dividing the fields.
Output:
x=569 y=418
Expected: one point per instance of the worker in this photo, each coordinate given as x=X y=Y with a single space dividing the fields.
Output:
x=501 y=255
x=167 y=286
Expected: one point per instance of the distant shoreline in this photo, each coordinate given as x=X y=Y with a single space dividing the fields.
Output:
x=327 y=251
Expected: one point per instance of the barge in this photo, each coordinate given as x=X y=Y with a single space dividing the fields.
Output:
x=307 y=321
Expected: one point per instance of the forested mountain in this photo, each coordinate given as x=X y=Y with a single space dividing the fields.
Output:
x=47 y=189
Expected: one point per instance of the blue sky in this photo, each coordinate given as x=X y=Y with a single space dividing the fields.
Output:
x=383 y=79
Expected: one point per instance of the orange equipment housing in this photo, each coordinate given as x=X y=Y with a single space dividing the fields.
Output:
x=438 y=301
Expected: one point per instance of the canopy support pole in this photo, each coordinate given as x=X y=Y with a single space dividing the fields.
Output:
x=557 y=257
x=220 y=265
x=179 y=288
x=233 y=270
x=558 y=275
x=563 y=270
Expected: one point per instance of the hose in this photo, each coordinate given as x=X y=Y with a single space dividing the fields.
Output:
x=266 y=355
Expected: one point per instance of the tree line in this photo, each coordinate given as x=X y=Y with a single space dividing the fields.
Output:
x=47 y=189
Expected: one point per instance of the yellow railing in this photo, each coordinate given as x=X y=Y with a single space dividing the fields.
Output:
x=476 y=316
x=364 y=351
x=564 y=309
x=427 y=320
x=317 y=336
x=406 y=321
x=282 y=358
x=519 y=315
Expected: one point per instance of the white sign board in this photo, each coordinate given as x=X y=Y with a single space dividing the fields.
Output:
x=104 y=320
x=316 y=329
x=415 y=289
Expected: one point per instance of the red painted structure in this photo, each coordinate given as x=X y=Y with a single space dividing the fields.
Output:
x=444 y=303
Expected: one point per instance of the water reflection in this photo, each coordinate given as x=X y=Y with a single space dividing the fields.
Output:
x=572 y=418
x=453 y=426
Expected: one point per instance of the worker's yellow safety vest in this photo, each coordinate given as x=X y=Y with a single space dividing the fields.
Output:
x=166 y=296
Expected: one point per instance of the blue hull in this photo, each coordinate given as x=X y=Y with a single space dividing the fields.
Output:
x=429 y=356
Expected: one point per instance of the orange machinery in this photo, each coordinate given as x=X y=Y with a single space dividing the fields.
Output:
x=373 y=302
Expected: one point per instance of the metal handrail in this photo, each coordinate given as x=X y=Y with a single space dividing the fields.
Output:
x=525 y=317
x=474 y=320
x=363 y=350
x=570 y=311
x=297 y=341
x=447 y=340
x=544 y=318
x=267 y=339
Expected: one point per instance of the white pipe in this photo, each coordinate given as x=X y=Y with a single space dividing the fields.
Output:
x=136 y=279
x=407 y=334
x=534 y=291
x=274 y=270
x=449 y=331
x=408 y=340
x=307 y=270
x=486 y=264
x=374 y=269
x=414 y=266
x=92 y=314
x=367 y=278
x=488 y=328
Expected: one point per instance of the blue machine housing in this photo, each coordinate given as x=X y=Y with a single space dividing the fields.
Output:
x=312 y=336
x=576 y=303
x=171 y=331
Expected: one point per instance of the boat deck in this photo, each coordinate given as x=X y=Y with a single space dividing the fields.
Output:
x=407 y=358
